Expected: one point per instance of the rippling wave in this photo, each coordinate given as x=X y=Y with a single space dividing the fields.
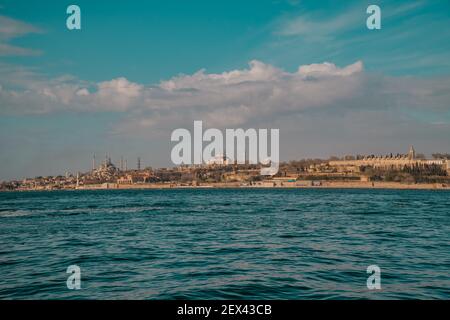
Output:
x=225 y=244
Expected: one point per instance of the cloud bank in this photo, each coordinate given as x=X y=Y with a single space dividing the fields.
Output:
x=261 y=94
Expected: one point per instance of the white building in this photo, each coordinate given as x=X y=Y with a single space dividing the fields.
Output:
x=219 y=159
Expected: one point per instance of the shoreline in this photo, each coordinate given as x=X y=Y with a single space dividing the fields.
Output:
x=322 y=185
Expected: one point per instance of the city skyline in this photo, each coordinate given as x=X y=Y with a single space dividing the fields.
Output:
x=135 y=72
x=122 y=163
x=409 y=170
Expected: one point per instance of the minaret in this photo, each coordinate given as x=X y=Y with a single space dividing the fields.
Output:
x=93 y=162
x=139 y=164
x=78 y=179
x=411 y=153
x=121 y=163
x=246 y=156
x=126 y=165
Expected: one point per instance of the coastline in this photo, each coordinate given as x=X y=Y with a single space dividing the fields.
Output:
x=323 y=185
x=298 y=185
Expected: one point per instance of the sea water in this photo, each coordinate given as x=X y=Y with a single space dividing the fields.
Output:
x=225 y=244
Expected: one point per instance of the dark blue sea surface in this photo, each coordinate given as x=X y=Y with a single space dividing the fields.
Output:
x=225 y=244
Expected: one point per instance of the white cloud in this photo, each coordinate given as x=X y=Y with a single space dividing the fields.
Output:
x=120 y=87
x=118 y=94
x=83 y=92
x=259 y=95
x=329 y=69
x=10 y=29
x=322 y=26
x=258 y=71
x=10 y=50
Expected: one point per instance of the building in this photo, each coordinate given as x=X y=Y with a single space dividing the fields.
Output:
x=220 y=160
x=392 y=162
x=135 y=177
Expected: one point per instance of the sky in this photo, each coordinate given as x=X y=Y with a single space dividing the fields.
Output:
x=137 y=70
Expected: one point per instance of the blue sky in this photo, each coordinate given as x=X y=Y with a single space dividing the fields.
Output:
x=147 y=43
x=152 y=40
